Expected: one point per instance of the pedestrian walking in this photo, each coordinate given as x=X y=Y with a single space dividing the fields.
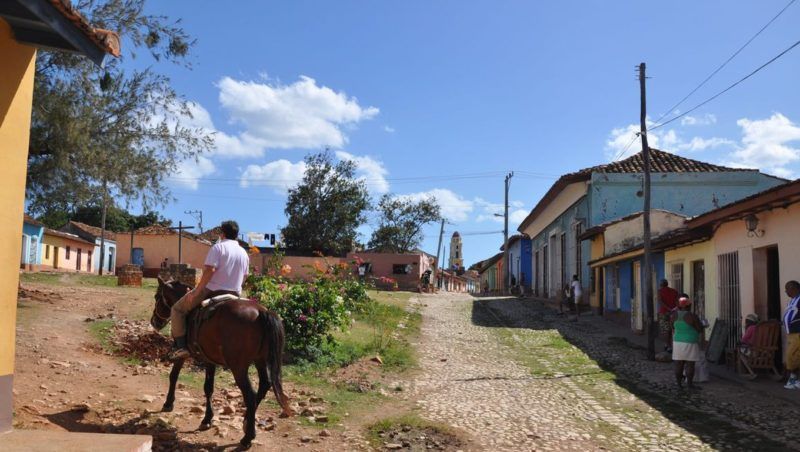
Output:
x=791 y=325
x=686 y=350
x=577 y=294
x=667 y=304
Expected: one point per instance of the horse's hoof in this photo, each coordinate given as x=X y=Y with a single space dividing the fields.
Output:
x=245 y=444
x=205 y=425
x=167 y=408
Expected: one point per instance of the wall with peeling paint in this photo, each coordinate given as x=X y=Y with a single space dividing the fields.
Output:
x=614 y=195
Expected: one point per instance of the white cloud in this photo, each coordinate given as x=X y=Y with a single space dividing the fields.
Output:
x=706 y=119
x=280 y=175
x=370 y=170
x=388 y=129
x=488 y=210
x=190 y=172
x=765 y=144
x=454 y=207
x=300 y=115
x=623 y=142
x=516 y=217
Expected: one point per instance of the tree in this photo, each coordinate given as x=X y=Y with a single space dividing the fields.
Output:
x=402 y=219
x=326 y=208
x=117 y=218
x=115 y=133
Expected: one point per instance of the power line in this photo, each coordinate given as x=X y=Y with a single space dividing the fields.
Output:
x=623 y=151
x=728 y=88
x=725 y=63
x=486 y=174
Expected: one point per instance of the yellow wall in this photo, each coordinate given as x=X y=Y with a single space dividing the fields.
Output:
x=686 y=255
x=66 y=263
x=16 y=97
x=780 y=229
x=597 y=251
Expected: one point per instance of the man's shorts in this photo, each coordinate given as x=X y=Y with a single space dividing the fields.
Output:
x=664 y=323
x=793 y=351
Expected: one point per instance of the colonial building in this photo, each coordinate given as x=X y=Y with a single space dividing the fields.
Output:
x=456 y=253
x=93 y=234
x=66 y=252
x=153 y=246
x=32 y=232
x=604 y=193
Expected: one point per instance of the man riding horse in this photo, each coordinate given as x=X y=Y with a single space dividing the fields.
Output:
x=224 y=272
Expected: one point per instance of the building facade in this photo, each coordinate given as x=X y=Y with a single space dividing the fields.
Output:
x=456 y=253
x=32 y=232
x=597 y=195
x=153 y=246
x=93 y=234
x=66 y=252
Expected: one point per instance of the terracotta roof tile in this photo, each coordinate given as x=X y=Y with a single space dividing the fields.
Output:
x=65 y=235
x=30 y=220
x=104 y=39
x=93 y=230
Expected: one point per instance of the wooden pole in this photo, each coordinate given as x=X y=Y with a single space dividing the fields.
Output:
x=647 y=278
x=506 y=273
x=180 y=236
x=103 y=229
x=438 y=248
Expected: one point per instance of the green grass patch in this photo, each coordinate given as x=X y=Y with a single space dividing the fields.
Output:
x=411 y=419
x=81 y=279
x=101 y=331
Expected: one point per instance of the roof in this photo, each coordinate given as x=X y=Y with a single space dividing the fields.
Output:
x=66 y=235
x=30 y=220
x=211 y=235
x=56 y=24
x=660 y=162
x=778 y=196
x=595 y=230
x=456 y=234
x=486 y=264
x=513 y=239
x=157 y=229
x=93 y=230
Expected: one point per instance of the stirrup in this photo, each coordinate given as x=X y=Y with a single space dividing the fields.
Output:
x=178 y=354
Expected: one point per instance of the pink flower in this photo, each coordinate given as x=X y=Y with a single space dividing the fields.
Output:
x=281 y=287
x=302 y=318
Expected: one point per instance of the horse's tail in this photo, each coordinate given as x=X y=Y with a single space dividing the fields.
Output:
x=274 y=336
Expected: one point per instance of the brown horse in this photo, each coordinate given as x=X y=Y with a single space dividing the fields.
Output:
x=240 y=333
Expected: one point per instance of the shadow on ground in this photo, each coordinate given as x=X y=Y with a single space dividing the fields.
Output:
x=687 y=410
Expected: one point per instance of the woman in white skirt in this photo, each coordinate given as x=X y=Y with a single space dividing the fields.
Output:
x=686 y=336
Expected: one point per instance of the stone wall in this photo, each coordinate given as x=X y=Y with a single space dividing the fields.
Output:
x=129 y=275
x=182 y=273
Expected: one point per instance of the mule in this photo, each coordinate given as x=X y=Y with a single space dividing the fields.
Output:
x=240 y=333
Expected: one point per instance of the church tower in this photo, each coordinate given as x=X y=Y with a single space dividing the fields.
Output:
x=456 y=255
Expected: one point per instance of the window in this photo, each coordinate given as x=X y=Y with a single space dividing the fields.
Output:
x=563 y=261
x=401 y=269
x=729 y=296
x=536 y=273
x=67 y=253
x=47 y=251
x=89 y=260
x=78 y=267
x=676 y=276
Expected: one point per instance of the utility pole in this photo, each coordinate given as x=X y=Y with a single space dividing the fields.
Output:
x=198 y=216
x=438 y=248
x=647 y=277
x=180 y=230
x=506 y=274
x=101 y=262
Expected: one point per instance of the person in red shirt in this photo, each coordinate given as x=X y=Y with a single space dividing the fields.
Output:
x=667 y=303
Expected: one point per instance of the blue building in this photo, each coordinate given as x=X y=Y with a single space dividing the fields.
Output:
x=32 y=232
x=601 y=194
x=92 y=234
x=519 y=261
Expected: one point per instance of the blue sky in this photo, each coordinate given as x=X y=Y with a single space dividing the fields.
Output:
x=419 y=92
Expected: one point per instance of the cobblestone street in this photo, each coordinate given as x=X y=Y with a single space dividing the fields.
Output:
x=515 y=376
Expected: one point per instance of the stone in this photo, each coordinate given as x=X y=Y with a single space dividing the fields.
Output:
x=393 y=446
x=321 y=419
x=305 y=439
x=228 y=409
x=146 y=398
x=324 y=433
x=197 y=409
x=377 y=359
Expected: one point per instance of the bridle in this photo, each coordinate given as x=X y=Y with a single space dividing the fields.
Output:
x=161 y=300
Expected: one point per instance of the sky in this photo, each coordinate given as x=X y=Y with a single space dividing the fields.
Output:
x=444 y=98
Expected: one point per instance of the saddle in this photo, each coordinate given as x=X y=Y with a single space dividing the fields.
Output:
x=200 y=315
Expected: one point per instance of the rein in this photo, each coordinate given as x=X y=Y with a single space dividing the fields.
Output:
x=160 y=299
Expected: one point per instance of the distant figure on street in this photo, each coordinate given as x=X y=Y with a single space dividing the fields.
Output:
x=791 y=325
x=667 y=304
x=750 y=323
x=577 y=294
x=685 y=342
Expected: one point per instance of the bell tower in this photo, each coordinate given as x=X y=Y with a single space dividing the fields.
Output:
x=456 y=255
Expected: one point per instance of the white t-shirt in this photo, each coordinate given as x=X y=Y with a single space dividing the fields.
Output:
x=231 y=263
x=576 y=289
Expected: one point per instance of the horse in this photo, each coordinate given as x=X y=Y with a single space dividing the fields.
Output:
x=239 y=333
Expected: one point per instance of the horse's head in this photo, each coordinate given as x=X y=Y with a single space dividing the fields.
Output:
x=167 y=294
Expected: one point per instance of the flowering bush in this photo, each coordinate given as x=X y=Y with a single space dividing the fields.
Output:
x=310 y=311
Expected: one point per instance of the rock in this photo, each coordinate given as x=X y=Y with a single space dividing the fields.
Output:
x=81 y=407
x=306 y=412
x=406 y=428
x=315 y=400
x=324 y=433
x=321 y=419
x=393 y=446
x=167 y=435
x=146 y=398
x=377 y=359
x=228 y=409
x=43 y=387
x=302 y=403
x=196 y=409
x=305 y=439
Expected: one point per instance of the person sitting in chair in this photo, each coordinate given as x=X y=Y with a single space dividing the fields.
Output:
x=750 y=323
x=226 y=267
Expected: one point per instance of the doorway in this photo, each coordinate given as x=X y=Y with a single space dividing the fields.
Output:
x=698 y=288
x=55 y=257
x=637 y=322
x=773 y=284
